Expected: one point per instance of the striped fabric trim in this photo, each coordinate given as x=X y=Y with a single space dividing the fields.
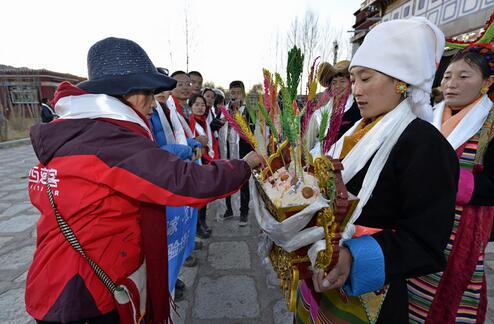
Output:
x=330 y=308
x=302 y=315
x=421 y=290
x=467 y=159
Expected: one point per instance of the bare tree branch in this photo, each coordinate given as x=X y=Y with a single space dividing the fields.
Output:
x=315 y=39
x=293 y=33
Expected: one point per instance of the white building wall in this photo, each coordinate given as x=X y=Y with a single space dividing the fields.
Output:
x=452 y=16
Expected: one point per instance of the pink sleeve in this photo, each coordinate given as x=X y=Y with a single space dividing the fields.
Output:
x=465 y=187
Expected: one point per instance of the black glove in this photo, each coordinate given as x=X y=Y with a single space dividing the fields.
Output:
x=216 y=124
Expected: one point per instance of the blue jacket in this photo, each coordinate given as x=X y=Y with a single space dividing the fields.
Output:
x=182 y=151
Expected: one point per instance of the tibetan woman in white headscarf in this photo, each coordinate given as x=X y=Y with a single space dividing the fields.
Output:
x=404 y=173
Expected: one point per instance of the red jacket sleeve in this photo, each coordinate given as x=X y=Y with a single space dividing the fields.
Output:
x=143 y=171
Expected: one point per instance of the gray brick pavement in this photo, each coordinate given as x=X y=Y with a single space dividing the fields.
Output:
x=17 y=231
x=230 y=284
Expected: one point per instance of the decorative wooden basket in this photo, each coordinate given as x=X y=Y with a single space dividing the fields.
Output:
x=293 y=266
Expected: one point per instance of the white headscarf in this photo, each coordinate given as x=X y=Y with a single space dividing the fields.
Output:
x=406 y=49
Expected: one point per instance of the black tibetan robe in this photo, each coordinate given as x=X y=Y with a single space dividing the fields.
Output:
x=414 y=203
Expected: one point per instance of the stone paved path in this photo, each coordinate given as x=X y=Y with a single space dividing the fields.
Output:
x=17 y=231
x=229 y=285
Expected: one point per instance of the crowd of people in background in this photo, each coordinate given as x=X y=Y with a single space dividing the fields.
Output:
x=197 y=131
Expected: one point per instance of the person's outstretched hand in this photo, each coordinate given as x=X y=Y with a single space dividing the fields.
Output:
x=252 y=159
x=337 y=276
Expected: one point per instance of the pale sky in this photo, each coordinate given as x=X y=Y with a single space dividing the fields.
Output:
x=228 y=39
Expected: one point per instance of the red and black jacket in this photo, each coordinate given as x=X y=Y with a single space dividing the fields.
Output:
x=110 y=183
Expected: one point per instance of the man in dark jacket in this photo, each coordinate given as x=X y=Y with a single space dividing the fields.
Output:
x=237 y=97
x=47 y=113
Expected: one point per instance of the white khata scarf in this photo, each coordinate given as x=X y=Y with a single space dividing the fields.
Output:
x=200 y=130
x=169 y=135
x=180 y=125
x=468 y=126
x=380 y=140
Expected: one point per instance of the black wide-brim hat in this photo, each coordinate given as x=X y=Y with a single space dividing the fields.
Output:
x=118 y=66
